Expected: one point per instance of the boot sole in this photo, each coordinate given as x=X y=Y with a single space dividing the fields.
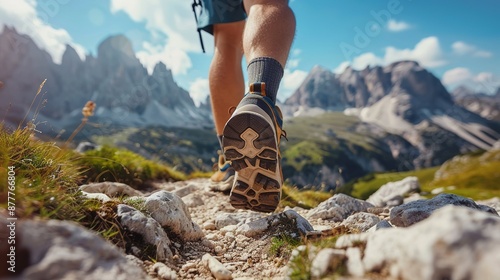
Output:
x=250 y=144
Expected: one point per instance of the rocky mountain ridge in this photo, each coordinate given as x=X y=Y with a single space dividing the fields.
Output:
x=403 y=99
x=115 y=79
x=485 y=105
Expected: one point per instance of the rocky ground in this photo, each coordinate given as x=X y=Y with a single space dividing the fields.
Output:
x=194 y=233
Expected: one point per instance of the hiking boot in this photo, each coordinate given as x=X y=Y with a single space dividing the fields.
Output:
x=251 y=141
x=223 y=178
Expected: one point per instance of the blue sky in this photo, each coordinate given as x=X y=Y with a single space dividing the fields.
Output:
x=459 y=41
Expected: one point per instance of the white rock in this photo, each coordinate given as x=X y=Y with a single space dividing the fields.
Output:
x=361 y=222
x=171 y=212
x=150 y=230
x=337 y=208
x=164 y=272
x=65 y=250
x=289 y=223
x=437 y=190
x=99 y=196
x=380 y=225
x=183 y=191
x=326 y=260
x=354 y=262
x=209 y=226
x=391 y=190
x=348 y=240
x=453 y=243
x=193 y=200
x=218 y=270
x=111 y=189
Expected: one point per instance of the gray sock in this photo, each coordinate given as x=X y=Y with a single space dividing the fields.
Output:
x=266 y=70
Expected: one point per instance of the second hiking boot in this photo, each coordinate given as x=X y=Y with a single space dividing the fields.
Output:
x=251 y=141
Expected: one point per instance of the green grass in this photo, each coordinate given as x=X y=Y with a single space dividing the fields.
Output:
x=282 y=246
x=307 y=199
x=119 y=165
x=476 y=176
x=46 y=176
x=300 y=265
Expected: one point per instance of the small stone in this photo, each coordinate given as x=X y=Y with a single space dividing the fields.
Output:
x=354 y=262
x=338 y=207
x=231 y=228
x=218 y=270
x=99 y=196
x=207 y=243
x=326 y=260
x=181 y=192
x=219 y=250
x=209 y=226
x=193 y=200
x=288 y=223
x=380 y=225
x=164 y=272
x=393 y=192
x=188 y=266
x=212 y=236
x=244 y=257
x=111 y=189
x=361 y=222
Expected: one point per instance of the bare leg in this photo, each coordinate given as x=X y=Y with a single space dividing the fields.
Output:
x=269 y=31
x=226 y=81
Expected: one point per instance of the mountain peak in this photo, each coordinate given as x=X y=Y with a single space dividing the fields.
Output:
x=70 y=56
x=117 y=44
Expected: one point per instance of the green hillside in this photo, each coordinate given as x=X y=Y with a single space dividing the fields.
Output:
x=474 y=175
x=333 y=140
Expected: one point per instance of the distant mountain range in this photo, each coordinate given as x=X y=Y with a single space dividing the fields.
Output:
x=341 y=126
x=125 y=94
x=486 y=105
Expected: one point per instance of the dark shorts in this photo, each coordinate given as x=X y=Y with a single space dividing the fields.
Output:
x=220 y=11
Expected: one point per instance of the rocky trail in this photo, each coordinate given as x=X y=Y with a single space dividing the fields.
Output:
x=194 y=233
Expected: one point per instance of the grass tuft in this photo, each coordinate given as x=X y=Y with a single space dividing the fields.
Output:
x=46 y=176
x=118 y=165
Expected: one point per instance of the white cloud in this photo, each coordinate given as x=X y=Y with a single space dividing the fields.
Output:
x=342 y=67
x=485 y=82
x=199 y=90
x=293 y=63
x=296 y=52
x=173 y=22
x=22 y=15
x=427 y=52
x=397 y=26
x=292 y=77
x=456 y=75
x=484 y=77
x=366 y=59
x=462 y=48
